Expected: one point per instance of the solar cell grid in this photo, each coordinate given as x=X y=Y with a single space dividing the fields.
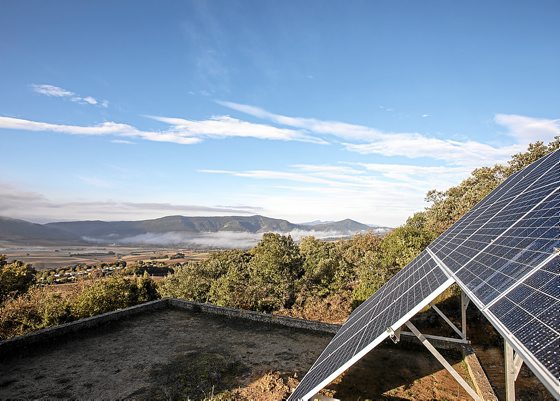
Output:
x=542 y=173
x=530 y=314
x=496 y=264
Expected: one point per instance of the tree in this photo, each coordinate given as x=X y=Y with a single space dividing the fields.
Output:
x=188 y=282
x=230 y=289
x=534 y=152
x=147 y=288
x=274 y=270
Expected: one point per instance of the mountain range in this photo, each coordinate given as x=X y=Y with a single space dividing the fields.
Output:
x=110 y=232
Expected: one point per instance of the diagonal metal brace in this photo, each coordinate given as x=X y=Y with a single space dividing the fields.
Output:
x=449 y=322
x=442 y=360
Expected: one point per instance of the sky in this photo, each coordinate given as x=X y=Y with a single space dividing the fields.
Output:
x=302 y=110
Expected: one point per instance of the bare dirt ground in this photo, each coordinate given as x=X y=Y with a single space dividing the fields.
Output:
x=175 y=354
x=161 y=355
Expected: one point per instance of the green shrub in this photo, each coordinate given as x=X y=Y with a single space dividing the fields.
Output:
x=105 y=295
x=15 y=278
x=37 y=309
x=189 y=282
x=147 y=288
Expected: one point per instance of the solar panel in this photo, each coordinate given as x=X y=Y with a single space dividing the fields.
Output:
x=367 y=325
x=503 y=253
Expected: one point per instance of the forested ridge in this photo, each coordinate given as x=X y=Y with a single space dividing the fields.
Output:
x=311 y=279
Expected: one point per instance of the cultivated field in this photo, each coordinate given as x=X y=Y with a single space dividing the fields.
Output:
x=48 y=257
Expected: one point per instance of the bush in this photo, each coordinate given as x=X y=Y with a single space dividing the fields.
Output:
x=37 y=309
x=147 y=288
x=110 y=294
x=190 y=282
x=15 y=278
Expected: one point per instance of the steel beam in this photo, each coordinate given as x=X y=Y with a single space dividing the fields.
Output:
x=449 y=322
x=445 y=364
x=464 y=304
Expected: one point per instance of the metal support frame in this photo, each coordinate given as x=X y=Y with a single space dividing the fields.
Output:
x=449 y=322
x=465 y=300
x=513 y=363
x=395 y=335
x=442 y=360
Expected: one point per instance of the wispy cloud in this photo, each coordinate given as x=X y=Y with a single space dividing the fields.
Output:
x=181 y=131
x=51 y=90
x=367 y=176
x=56 y=91
x=123 y=142
x=95 y=181
x=528 y=129
x=221 y=239
x=107 y=128
x=368 y=140
x=19 y=203
x=355 y=190
x=225 y=126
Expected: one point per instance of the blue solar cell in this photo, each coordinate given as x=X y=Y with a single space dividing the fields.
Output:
x=530 y=313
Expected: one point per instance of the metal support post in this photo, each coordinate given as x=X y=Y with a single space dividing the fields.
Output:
x=442 y=360
x=464 y=304
x=513 y=363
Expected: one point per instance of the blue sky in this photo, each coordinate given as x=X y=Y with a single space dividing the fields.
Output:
x=301 y=110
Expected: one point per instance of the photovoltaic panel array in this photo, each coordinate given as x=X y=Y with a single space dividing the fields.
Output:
x=367 y=326
x=503 y=253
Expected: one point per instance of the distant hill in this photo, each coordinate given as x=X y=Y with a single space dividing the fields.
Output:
x=346 y=225
x=121 y=229
x=315 y=222
x=22 y=231
x=128 y=231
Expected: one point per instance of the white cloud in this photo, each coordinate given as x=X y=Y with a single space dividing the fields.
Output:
x=221 y=239
x=51 y=90
x=528 y=129
x=181 y=131
x=457 y=153
x=225 y=126
x=106 y=128
x=123 y=142
x=367 y=140
x=368 y=192
x=89 y=100
x=56 y=91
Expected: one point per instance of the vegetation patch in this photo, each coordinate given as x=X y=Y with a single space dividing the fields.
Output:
x=195 y=376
